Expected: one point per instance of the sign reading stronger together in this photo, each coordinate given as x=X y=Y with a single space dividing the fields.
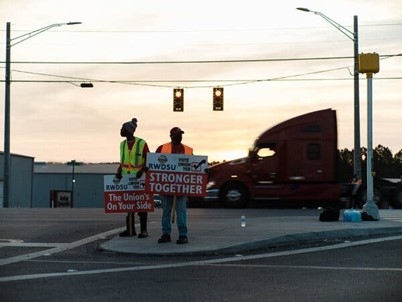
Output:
x=176 y=174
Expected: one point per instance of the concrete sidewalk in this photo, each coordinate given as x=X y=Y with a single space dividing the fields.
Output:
x=223 y=235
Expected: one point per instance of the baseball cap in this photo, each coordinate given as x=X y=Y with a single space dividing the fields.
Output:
x=176 y=130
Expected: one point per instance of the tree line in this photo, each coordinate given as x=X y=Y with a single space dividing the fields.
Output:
x=384 y=165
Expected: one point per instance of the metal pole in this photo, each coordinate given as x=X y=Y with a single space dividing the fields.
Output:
x=356 y=156
x=72 y=184
x=369 y=138
x=370 y=207
x=7 y=156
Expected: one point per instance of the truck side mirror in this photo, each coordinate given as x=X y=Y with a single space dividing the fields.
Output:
x=252 y=155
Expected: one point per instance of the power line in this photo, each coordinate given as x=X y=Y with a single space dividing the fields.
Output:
x=193 y=81
x=231 y=82
x=193 y=61
x=181 y=62
x=153 y=83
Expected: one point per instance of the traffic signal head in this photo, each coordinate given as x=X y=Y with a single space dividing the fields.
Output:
x=218 y=99
x=178 y=99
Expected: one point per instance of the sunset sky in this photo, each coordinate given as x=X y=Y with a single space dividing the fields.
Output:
x=274 y=62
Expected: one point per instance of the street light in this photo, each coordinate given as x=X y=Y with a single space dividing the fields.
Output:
x=87 y=85
x=7 y=154
x=73 y=163
x=354 y=37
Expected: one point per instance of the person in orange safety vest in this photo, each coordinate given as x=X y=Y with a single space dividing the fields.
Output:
x=174 y=147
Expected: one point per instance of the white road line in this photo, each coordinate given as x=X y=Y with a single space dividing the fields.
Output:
x=85 y=262
x=27 y=244
x=10 y=240
x=58 y=249
x=198 y=263
x=309 y=267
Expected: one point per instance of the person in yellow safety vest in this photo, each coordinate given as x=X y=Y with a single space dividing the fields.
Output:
x=174 y=147
x=133 y=152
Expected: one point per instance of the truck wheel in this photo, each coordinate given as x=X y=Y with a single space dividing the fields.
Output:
x=397 y=198
x=362 y=197
x=234 y=196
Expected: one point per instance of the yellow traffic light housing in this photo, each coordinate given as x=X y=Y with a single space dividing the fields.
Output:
x=178 y=100
x=369 y=63
x=218 y=99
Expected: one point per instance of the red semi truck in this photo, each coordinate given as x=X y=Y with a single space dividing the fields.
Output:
x=294 y=161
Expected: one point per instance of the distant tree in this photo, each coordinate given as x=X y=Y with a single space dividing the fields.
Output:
x=345 y=166
x=398 y=157
x=382 y=161
x=397 y=165
x=384 y=154
x=384 y=164
x=346 y=156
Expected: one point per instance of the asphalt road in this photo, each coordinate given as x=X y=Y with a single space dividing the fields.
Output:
x=77 y=270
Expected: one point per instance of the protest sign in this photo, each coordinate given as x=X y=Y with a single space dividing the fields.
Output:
x=127 y=195
x=176 y=174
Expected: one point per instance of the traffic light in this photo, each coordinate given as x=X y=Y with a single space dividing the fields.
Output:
x=178 y=99
x=218 y=99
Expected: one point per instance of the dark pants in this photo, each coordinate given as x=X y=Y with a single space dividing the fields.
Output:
x=143 y=221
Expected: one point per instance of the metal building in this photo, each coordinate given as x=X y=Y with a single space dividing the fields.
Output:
x=21 y=180
x=73 y=184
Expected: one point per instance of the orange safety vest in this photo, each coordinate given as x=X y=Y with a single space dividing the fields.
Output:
x=131 y=161
x=167 y=148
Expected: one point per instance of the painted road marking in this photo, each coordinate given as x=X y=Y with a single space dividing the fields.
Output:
x=393 y=216
x=26 y=244
x=202 y=262
x=60 y=248
x=309 y=267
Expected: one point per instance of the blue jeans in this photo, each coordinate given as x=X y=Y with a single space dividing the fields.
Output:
x=181 y=215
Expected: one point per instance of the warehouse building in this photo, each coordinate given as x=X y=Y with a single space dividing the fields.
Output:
x=73 y=184
x=21 y=180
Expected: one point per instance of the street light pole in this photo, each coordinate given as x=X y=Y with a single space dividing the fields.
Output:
x=356 y=154
x=7 y=153
x=355 y=38
x=73 y=163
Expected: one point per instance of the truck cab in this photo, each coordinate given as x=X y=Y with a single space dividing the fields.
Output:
x=294 y=161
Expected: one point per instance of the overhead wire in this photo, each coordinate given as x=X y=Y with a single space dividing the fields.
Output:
x=192 y=61
x=229 y=82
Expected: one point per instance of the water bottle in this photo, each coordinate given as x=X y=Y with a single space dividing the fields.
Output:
x=243 y=221
x=356 y=216
x=359 y=216
x=347 y=215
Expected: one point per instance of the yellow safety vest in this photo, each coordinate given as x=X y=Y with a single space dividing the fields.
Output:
x=131 y=161
x=167 y=148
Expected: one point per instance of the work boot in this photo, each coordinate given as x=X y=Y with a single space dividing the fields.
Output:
x=165 y=238
x=143 y=234
x=182 y=240
x=124 y=234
